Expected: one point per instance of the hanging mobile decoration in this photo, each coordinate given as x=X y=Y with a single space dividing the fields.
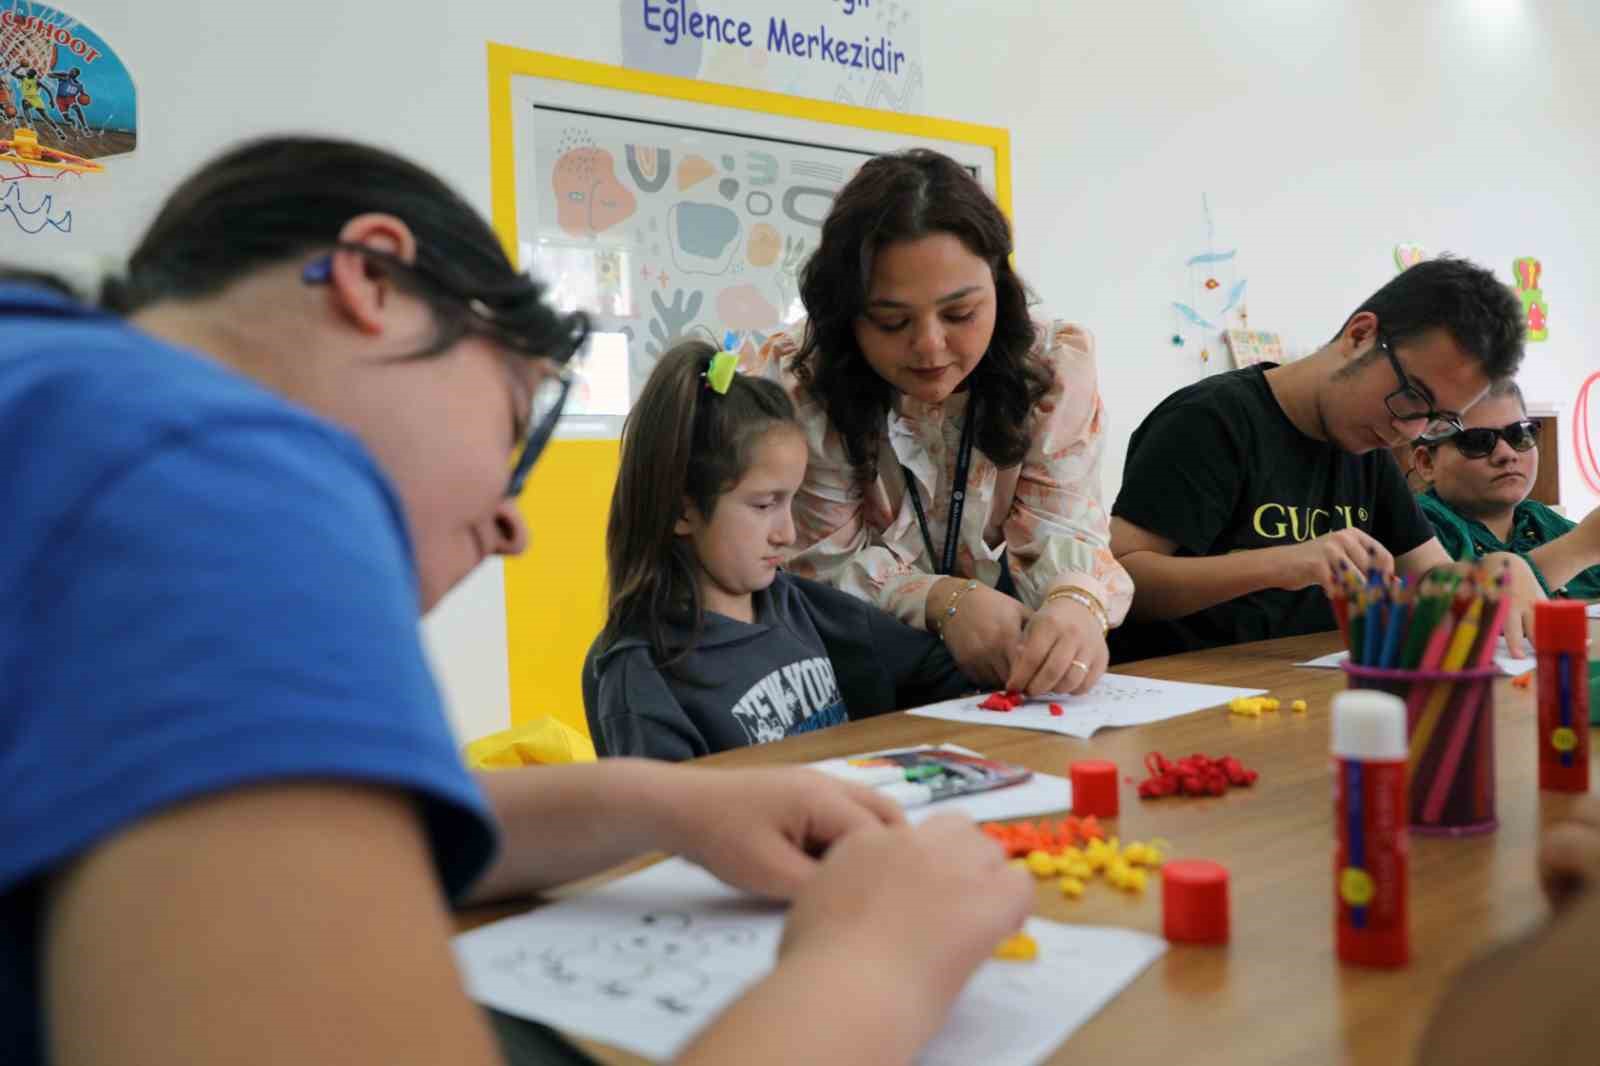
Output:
x=1210 y=298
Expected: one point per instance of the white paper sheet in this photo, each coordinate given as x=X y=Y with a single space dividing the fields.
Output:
x=1502 y=659
x=1593 y=610
x=1039 y=794
x=1115 y=700
x=642 y=964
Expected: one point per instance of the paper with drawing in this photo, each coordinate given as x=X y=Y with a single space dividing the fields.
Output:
x=644 y=963
x=1115 y=700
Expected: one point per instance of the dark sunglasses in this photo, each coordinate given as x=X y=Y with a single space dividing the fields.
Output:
x=1522 y=435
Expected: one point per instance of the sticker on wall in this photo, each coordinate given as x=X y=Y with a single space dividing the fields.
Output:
x=1526 y=271
x=866 y=52
x=1408 y=255
x=66 y=102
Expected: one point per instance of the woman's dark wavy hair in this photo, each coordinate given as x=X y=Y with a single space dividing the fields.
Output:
x=283 y=198
x=682 y=441
x=903 y=197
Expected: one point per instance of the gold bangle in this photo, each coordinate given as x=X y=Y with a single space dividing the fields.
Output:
x=942 y=620
x=1086 y=599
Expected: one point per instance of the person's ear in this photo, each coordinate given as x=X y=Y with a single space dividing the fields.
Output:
x=1422 y=461
x=683 y=527
x=1359 y=334
x=360 y=287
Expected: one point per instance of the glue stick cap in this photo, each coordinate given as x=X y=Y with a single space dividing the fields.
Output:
x=1368 y=724
x=1560 y=625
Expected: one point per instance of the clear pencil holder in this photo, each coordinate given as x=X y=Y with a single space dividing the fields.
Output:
x=1450 y=726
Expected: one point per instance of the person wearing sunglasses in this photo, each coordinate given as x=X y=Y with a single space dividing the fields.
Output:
x=1477 y=498
x=1245 y=495
x=234 y=812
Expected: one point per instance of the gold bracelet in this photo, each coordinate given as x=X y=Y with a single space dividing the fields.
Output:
x=940 y=621
x=1086 y=599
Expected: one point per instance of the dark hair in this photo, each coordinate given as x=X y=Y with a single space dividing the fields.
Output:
x=1481 y=313
x=39 y=279
x=903 y=197
x=276 y=199
x=681 y=442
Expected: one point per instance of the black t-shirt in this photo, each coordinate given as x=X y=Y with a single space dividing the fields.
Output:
x=1218 y=468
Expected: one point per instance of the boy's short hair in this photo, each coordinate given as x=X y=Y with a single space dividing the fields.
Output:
x=1476 y=308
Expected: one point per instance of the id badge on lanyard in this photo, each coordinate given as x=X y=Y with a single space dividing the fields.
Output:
x=945 y=564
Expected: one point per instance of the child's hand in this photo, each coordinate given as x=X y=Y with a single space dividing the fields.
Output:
x=764 y=830
x=1524 y=590
x=1569 y=854
x=985 y=634
x=921 y=907
x=1063 y=650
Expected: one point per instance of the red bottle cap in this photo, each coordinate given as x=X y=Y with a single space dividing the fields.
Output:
x=1560 y=625
x=1094 y=788
x=1194 y=902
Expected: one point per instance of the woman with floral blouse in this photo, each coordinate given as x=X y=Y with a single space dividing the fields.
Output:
x=954 y=441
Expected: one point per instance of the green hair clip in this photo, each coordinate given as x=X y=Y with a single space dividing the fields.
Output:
x=719 y=375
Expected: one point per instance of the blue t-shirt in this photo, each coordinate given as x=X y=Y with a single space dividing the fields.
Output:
x=205 y=587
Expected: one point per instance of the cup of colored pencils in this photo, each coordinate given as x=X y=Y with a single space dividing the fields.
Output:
x=1433 y=646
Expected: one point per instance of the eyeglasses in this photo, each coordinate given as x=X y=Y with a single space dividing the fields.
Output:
x=1522 y=435
x=543 y=414
x=1409 y=403
x=469 y=314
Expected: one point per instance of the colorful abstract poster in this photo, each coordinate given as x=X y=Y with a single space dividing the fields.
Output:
x=664 y=231
x=63 y=81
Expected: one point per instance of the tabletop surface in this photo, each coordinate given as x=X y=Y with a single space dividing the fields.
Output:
x=1275 y=993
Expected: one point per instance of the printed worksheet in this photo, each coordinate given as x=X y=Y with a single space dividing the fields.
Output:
x=1115 y=700
x=642 y=964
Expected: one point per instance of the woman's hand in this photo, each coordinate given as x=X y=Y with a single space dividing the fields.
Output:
x=984 y=634
x=1063 y=650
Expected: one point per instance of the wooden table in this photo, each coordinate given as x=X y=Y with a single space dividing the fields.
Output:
x=1276 y=993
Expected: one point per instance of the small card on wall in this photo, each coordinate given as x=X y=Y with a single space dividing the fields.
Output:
x=1250 y=347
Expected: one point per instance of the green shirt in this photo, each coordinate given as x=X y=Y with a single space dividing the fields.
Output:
x=1533 y=525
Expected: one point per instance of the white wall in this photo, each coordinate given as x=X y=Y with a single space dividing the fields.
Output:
x=1324 y=133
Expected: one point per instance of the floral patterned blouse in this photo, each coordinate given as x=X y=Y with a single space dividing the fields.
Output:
x=1046 y=512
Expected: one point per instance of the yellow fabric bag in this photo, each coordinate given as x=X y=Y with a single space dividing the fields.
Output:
x=542 y=742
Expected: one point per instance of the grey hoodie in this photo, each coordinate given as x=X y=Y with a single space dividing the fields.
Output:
x=814 y=657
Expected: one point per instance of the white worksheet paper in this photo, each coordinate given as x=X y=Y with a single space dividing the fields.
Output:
x=1593 y=610
x=1039 y=794
x=1502 y=659
x=643 y=963
x=1115 y=700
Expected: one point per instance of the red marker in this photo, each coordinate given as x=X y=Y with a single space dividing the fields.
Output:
x=1369 y=870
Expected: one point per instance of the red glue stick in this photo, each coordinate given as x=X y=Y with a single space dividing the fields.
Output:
x=1369 y=869
x=1561 y=636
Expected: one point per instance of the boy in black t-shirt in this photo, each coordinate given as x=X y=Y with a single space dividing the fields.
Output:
x=1243 y=493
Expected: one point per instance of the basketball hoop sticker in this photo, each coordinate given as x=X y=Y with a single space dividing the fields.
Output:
x=66 y=103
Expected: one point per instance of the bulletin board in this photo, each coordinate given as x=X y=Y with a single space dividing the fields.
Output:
x=665 y=207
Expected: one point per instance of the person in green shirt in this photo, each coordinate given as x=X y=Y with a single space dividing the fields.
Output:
x=1479 y=480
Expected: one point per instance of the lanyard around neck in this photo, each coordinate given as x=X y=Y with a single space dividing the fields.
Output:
x=958 y=497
